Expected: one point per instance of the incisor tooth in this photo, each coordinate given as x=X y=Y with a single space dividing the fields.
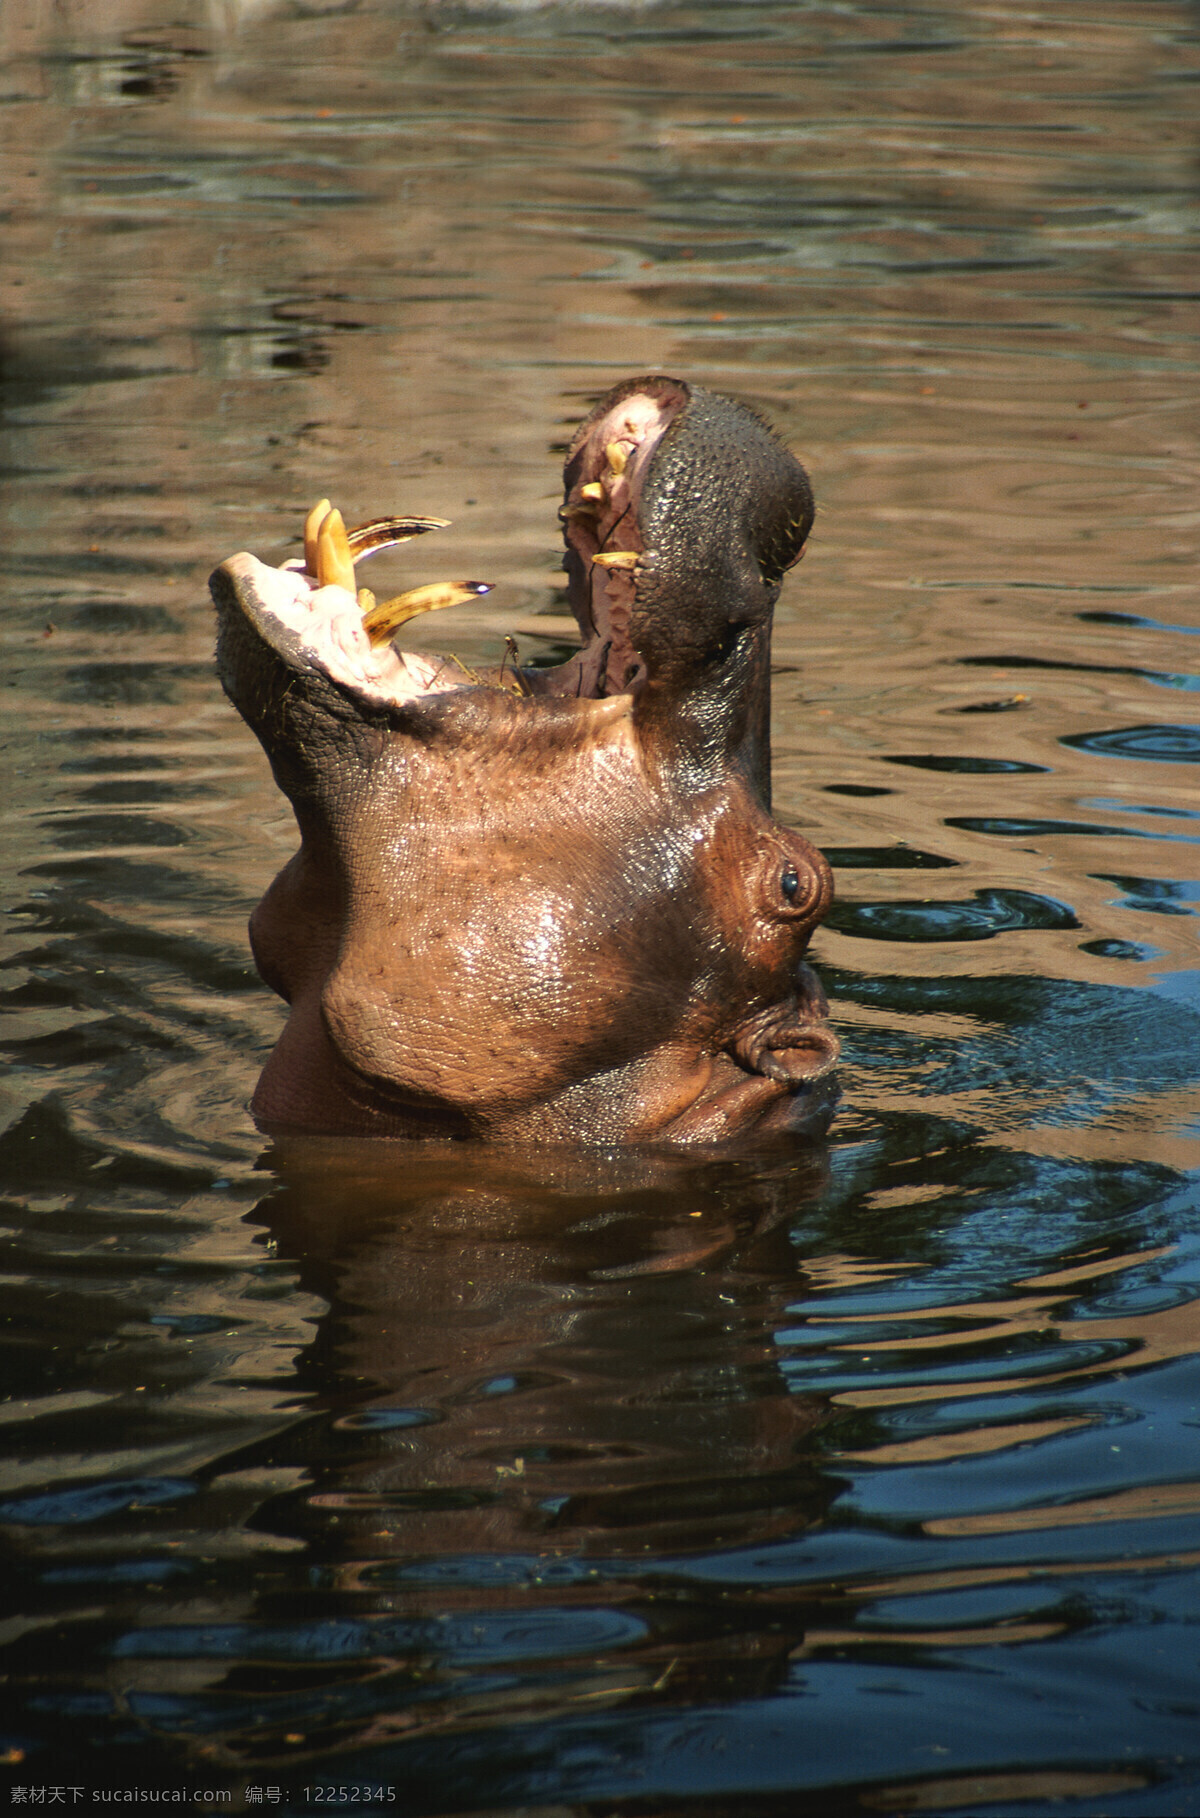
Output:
x=335 y=564
x=618 y=456
x=593 y=490
x=312 y=524
x=383 y=621
x=619 y=558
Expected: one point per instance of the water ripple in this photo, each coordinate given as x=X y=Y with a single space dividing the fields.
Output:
x=989 y=913
x=1163 y=744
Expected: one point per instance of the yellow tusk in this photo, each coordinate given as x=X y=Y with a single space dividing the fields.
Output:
x=619 y=558
x=312 y=524
x=366 y=601
x=388 y=533
x=383 y=621
x=335 y=564
x=618 y=456
x=593 y=490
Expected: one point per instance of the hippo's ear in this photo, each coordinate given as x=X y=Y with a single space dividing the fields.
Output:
x=789 y=1042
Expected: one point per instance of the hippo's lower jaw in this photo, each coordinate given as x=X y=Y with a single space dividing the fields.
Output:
x=546 y=905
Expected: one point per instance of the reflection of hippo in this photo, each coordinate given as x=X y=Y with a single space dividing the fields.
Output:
x=548 y=904
x=542 y=1381
x=537 y=1352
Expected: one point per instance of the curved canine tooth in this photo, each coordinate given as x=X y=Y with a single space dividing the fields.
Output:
x=335 y=564
x=618 y=456
x=593 y=490
x=366 y=601
x=312 y=524
x=387 y=533
x=384 y=620
x=618 y=558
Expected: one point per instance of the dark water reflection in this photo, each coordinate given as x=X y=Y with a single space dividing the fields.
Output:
x=861 y=1477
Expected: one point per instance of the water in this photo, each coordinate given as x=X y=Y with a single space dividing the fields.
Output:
x=864 y=1479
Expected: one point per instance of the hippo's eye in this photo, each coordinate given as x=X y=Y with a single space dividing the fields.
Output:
x=789 y=883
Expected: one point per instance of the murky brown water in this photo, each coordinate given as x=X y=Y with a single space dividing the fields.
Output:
x=861 y=1482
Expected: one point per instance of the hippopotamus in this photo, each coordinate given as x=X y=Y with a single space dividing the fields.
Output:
x=546 y=905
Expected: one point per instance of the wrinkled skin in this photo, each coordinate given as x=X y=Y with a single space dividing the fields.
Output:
x=565 y=913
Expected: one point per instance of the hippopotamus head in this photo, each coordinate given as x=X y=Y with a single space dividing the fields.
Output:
x=546 y=904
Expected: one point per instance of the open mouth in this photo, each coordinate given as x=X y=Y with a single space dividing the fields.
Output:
x=606 y=475
x=342 y=629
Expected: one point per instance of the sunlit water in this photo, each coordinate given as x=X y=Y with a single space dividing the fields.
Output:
x=865 y=1479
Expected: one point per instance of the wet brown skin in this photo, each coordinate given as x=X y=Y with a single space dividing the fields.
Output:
x=562 y=914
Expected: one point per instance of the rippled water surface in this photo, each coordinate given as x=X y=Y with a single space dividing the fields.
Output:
x=861 y=1479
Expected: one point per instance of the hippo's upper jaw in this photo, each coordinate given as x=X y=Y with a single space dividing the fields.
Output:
x=546 y=904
